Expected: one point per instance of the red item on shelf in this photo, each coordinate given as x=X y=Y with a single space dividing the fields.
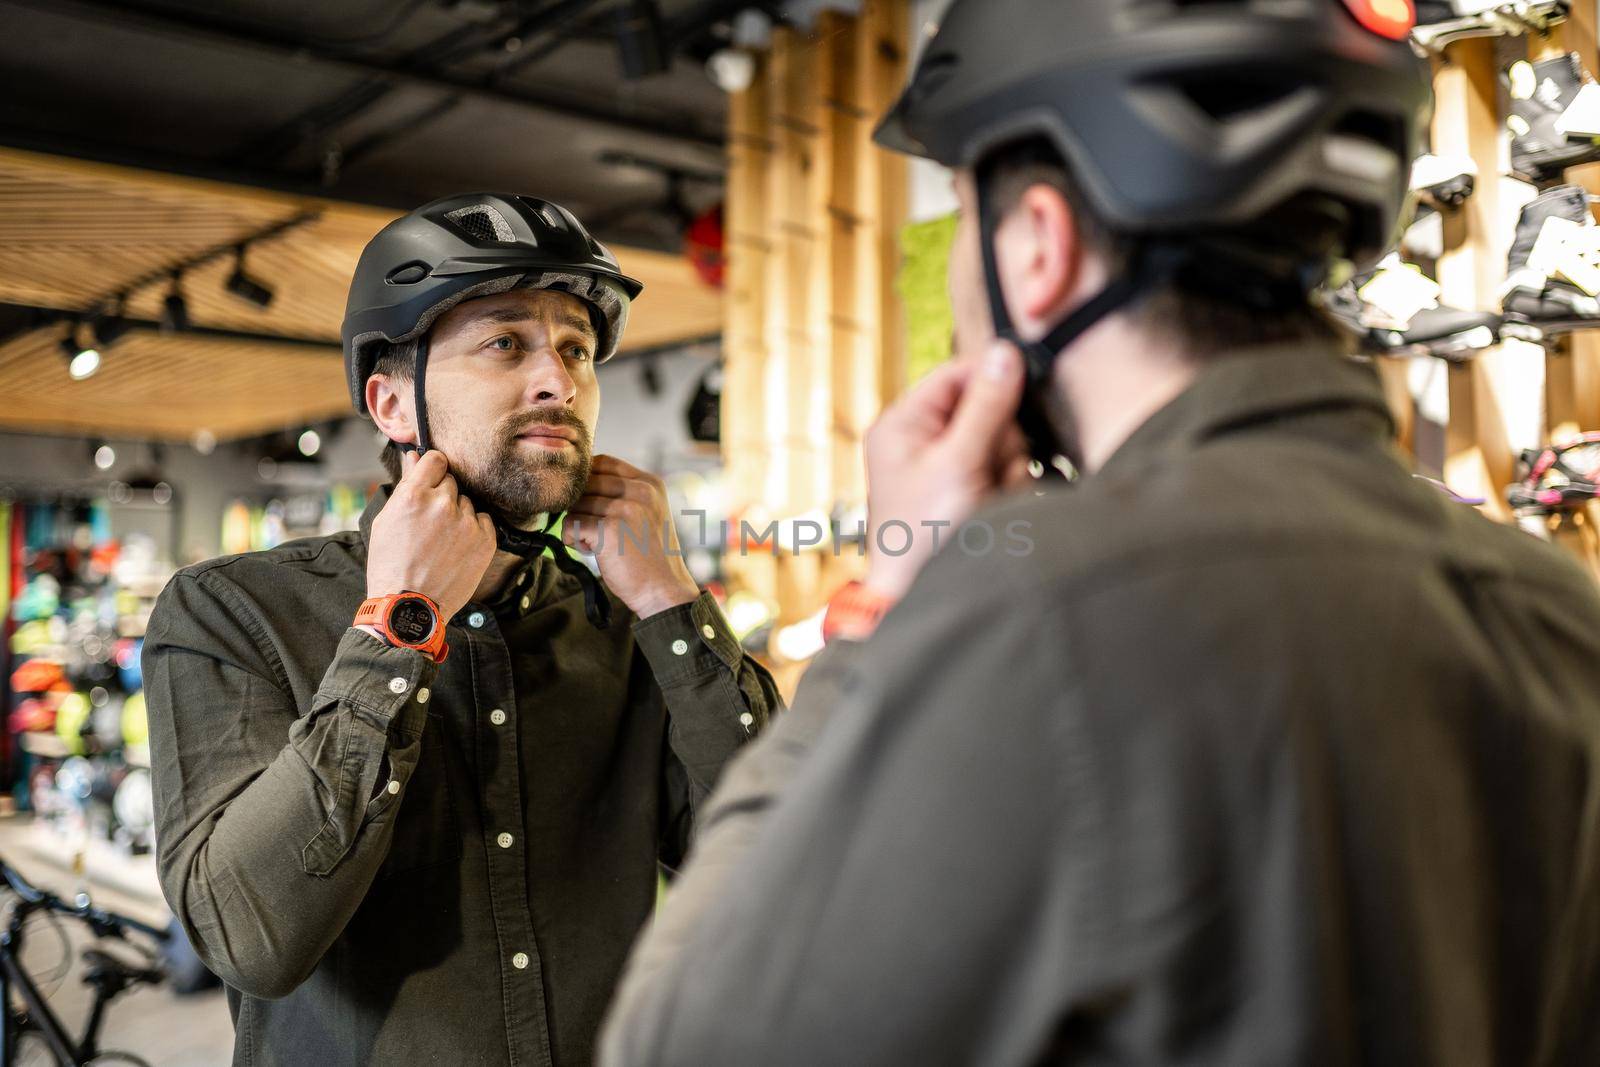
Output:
x=32 y=715
x=704 y=244
x=38 y=676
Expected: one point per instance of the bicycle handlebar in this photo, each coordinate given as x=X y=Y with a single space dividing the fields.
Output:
x=104 y=923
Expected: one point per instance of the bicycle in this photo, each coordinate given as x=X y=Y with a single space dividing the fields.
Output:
x=30 y=1029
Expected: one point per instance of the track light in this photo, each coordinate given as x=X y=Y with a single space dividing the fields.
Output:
x=641 y=44
x=81 y=362
x=245 y=287
x=175 y=309
x=109 y=329
x=309 y=443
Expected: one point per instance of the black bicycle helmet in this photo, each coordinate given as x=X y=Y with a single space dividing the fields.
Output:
x=1183 y=123
x=424 y=263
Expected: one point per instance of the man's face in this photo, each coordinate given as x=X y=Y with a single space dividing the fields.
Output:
x=512 y=400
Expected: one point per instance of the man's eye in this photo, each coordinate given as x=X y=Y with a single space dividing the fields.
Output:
x=579 y=353
x=503 y=343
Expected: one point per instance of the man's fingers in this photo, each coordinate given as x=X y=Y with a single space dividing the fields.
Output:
x=612 y=485
x=620 y=467
x=930 y=403
x=427 y=472
x=988 y=405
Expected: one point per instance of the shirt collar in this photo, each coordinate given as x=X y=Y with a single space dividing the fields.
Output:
x=530 y=581
x=1255 y=385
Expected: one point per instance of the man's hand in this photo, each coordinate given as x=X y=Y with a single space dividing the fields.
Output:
x=624 y=519
x=936 y=454
x=429 y=538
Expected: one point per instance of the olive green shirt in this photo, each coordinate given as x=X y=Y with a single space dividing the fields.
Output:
x=1266 y=753
x=389 y=861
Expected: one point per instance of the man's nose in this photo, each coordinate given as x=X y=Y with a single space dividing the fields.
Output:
x=548 y=379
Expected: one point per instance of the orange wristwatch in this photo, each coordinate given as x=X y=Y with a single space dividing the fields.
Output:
x=854 y=612
x=406 y=620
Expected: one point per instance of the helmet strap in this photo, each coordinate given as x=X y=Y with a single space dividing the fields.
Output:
x=419 y=390
x=1151 y=267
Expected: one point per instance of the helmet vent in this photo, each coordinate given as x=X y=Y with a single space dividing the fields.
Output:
x=1228 y=98
x=483 y=223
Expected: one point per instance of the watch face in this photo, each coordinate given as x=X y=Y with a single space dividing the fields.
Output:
x=411 y=621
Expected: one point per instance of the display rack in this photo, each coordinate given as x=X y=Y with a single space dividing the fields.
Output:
x=1517 y=395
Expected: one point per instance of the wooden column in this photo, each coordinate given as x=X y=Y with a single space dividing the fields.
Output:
x=814 y=340
x=1572 y=363
x=1478 y=455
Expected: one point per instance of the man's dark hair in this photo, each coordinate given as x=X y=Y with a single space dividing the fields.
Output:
x=396 y=361
x=1202 y=322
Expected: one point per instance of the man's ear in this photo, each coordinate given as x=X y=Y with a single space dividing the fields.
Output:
x=1045 y=237
x=389 y=402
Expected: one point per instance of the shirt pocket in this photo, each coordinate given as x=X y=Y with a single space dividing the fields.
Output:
x=427 y=830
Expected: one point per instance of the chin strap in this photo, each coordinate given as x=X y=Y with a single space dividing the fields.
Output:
x=1151 y=267
x=529 y=544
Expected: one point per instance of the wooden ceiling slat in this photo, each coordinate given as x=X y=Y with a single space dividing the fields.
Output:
x=73 y=232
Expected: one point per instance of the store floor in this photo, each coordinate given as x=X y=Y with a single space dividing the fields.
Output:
x=165 y=1029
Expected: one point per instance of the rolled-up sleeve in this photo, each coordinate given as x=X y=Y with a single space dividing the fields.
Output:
x=272 y=819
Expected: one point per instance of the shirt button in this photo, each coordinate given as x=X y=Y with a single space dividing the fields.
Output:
x=423 y=694
x=680 y=647
x=520 y=961
x=748 y=720
x=475 y=620
x=525 y=603
x=497 y=717
x=709 y=631
x=504 y=840
x=522 y=579
x=394 y=785
x=397 y=685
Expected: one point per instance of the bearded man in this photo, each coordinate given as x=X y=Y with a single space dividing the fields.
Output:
x=414 y=781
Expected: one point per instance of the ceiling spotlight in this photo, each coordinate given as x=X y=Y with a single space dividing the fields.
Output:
x=84 y=364
x=204 y=441
x=81 y=362
x=105 y=457
x=245 y=287
x=174 y=310
x=309 y=443
x=641 y=44
x=733 y=70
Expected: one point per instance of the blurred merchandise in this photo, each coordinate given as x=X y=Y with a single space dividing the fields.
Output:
x=1557 y=477
x=1541 y=95
x=79 y=600
x=1553 y=269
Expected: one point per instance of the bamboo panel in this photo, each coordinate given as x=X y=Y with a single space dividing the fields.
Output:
x=882 y=50
x=813 y=341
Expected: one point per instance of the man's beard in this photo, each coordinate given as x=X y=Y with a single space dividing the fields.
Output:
x=513 y=485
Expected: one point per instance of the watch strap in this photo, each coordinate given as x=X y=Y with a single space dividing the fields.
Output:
x=375 y=612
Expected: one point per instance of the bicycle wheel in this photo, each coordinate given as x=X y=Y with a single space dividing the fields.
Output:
x=32 y=1050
